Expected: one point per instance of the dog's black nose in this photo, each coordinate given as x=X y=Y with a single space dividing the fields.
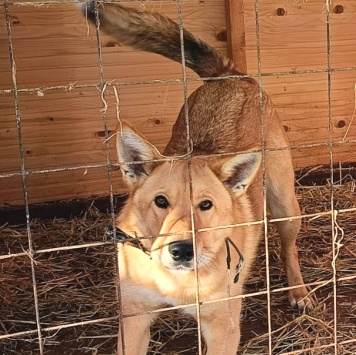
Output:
x=181 y=250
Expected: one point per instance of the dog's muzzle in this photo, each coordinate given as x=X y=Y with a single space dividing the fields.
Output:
x=181 y=251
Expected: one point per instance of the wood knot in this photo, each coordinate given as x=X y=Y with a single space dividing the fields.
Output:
x=340 y=124
x=222 y=36
x=15 y=20
x=102 y=134
x=286 y=128
x=338 y=9
x=111 y=44
x=280 y=11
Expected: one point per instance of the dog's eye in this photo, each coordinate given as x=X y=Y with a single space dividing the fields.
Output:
x=205 y=205
x=161 y=201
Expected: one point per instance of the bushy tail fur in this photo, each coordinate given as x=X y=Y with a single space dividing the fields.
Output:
x=155 y=33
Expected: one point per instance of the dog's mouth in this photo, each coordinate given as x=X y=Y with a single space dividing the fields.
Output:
x=182 y=258
x=184 y=267
x=179 y=256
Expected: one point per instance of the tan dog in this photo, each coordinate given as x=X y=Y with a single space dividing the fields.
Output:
x=188 y=206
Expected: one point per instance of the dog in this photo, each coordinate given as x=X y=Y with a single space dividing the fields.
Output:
x=193 y=218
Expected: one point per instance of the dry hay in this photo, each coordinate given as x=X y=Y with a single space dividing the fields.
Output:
x=78 y=286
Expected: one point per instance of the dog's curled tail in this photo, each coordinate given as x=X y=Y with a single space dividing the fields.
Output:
x=155 y=33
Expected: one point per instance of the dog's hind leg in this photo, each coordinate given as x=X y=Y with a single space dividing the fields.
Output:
x=282 y=203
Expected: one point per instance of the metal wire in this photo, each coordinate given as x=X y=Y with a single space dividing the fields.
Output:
x=40 y=90
x=112 y=166
x=23 y=175
x=334 y=215
x=102 y=86
x=263 y=148
x=189 y=161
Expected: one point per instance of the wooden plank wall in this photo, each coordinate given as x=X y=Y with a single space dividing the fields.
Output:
x=63 y=128
x=293 y=37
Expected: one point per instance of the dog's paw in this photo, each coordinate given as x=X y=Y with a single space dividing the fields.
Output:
x=302 y=299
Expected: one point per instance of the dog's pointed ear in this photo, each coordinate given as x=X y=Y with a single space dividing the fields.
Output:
x=238 y=171
x=135 y=155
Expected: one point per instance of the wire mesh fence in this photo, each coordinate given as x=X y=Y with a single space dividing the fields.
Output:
x=51 y=263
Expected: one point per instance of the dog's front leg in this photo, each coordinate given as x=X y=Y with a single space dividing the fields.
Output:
x=221 y=327
x=135 y=337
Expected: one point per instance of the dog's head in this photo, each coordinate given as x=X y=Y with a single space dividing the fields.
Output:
x=171 y=198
